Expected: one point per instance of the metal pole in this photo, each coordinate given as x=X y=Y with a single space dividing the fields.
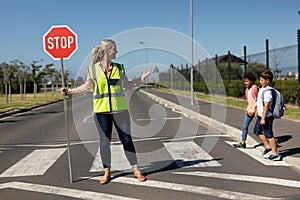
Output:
x=172 y=80
x=217 y=67
x=229 y=63
x=66 y=120
x=298 y=41
x=267 y=54
x=192 y=52
x=245 y=59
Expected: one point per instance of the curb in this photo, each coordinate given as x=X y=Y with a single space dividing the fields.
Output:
x=219 y=126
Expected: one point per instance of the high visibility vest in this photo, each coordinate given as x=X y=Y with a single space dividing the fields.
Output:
x=108 y=93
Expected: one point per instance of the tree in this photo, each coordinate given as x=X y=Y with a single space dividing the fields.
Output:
x=9 y=73
x=256 y=68
x=79 y=81
x=235 y=71
x=35 y=75
x=22 y=71
x=56 y=78
x=47 y=76
x=277 y=55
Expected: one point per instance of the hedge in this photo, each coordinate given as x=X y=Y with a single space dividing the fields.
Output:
x=235 y=88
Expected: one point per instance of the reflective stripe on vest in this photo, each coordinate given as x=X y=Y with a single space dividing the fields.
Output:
x=108 y=93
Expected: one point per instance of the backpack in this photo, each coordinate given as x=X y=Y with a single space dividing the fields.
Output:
x=278 y=105
x=252 y=93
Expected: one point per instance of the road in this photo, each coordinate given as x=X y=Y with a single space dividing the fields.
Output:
x=182 y=158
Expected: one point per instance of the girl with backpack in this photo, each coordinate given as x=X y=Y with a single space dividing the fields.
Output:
x=251 y=96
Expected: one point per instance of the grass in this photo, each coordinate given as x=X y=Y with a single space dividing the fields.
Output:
x=17 y=103
x=292 y=112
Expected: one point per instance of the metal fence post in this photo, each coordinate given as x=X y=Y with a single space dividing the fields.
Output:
x=245 y=59
x=298 y=42
x=229 y=63
x=267 y=54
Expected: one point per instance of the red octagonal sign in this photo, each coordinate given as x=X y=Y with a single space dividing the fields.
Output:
x=60 y=42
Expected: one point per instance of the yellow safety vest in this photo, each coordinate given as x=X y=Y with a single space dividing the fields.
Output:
x=108 y=93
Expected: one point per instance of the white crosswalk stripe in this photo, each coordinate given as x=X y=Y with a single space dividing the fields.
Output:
x=118 y=160
x=247 y=178
x=36 y=163
x=190 y=154
x=188 y=188
x=74 y=193
x=256 y=153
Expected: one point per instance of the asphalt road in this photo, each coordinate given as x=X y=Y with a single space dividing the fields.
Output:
x=181 y=157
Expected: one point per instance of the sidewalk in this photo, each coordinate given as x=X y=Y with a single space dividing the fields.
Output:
x=286 y=131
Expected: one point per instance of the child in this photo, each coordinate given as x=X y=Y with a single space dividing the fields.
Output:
x=264 y=123
x=251 y=96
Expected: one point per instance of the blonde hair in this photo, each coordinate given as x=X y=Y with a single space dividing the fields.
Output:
x=98 y=51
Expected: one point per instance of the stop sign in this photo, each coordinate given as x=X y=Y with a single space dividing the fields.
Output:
x=60 y=42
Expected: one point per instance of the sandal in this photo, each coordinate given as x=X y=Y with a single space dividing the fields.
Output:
x=106 y=177
x=139 y=176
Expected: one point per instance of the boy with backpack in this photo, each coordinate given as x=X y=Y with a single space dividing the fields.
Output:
x=263 y=128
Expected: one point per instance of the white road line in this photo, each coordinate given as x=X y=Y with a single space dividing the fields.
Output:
x=194 y=137
x=74 y=143
x=118 y=160
x=148 y=119
x=165 y=118
x=256 y=153
x=53 y=190
x=36 y=163
x=35 y=145
x=237 y=177
x=87 y=120
x=189 y=188
x=190 y=154
x=141 y=140
x=5 y=148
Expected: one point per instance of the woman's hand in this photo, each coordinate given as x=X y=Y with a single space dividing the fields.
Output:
x=65 y=91
x=146 y=73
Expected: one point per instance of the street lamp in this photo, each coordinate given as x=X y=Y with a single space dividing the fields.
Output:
x=146 y=50
x=192 y=52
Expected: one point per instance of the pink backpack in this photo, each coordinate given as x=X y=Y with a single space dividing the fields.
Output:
x=253 y=92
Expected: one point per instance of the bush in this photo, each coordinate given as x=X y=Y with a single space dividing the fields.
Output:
x=235 y=88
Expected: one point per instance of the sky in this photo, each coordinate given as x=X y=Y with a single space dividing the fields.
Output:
x=218 y=25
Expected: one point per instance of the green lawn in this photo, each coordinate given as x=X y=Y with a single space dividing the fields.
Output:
x=292 y=112
x=30 y=100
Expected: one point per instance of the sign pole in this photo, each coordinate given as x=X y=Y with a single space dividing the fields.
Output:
x=60 y=42
x=66 y=120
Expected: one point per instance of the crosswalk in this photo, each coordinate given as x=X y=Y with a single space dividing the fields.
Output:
x=185 y=153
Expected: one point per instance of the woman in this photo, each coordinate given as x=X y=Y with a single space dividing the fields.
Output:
x=107 y=79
